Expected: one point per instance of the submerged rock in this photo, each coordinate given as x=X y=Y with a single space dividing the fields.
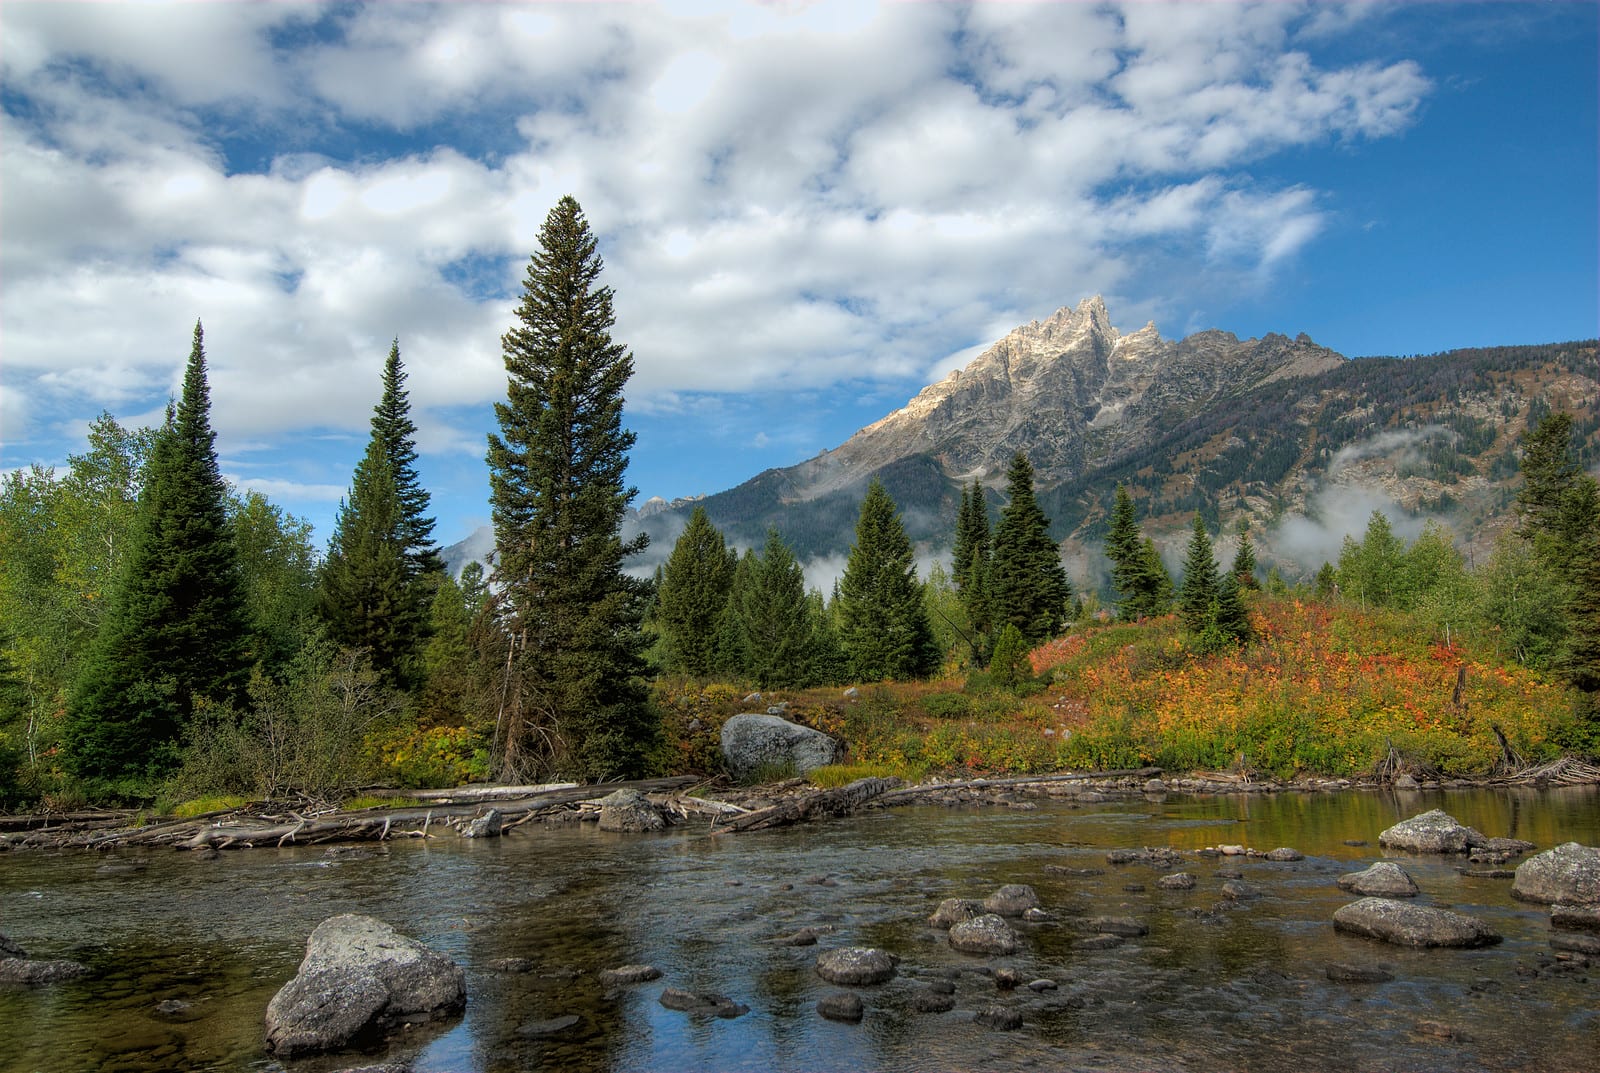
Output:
x=1011 y=900
x=703 y=1002
x=999 y=1017
x=630 y=974
x=359 y=975
x=1155 y=856
x=1569 y=874
x=629 y=811
x=930 y=1001
x=1385 y=879
x=554 y=1026
x=39 y=973
x=841 y=1006
x=856 y=965
x=1346 y=973
x=1406 y=924
x=1177 y=881
x=1575 y=917
x=1435 y=831
x=1285 y=853
x=1123 y=926
x=953 y=911
x=986 y=934
x=9 y=949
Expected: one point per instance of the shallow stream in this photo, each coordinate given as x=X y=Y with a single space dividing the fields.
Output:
x=1212 y=987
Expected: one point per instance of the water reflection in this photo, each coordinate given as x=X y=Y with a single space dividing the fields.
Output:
x=1214 y=985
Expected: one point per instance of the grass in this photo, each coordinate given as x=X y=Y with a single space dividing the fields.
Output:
x=201 y=805
x=833 y=776
x=366 y=801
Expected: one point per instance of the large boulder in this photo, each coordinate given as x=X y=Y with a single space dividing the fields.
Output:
x=953 y=911
x=1012 y=900
x=751 y=741
x=1570 y=874
x=1383 y=880
x=1407 y=924
x=359 y=977
x=1432 y=832
x=986 y=934
x=39 y=973
x=856 y=965
x=630 y=811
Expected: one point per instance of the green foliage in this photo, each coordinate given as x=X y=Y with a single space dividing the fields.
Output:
x=558 y=492
x=1008 y=667
x=202 y=806
x=884 y=628
x=774 y=621
x=393 y=428
x=971 y=560
x=1244 y=561
x=435 y=758
x=954 y=636
x=1027 y=585
x=833 y=776
x=278 y=564
x=1201 y=579
x=1369 y=570
x=175 y=634
x=693 y=597
x=1137 y=572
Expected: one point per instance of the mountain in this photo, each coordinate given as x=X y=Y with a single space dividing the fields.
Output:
x=1299 y=440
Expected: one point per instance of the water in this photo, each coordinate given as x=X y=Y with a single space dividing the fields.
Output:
x=1208 y=989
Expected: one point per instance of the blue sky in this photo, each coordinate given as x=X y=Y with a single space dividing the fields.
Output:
x=808 y=211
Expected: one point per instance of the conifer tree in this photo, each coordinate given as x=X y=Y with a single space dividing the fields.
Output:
x=883 y=625
x=1244 y=560
x=1137 y=572
x=970 y=564
x=1229 y=614
x=775 y=618
x=1200 y=580
x=558 y=491
x=1027 y=585
x=1152 y=585
x=693 y=596
x=392 y=425
x=733 y=655
x=176 y=632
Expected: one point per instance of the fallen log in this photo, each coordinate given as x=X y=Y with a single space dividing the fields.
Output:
x=896 y=796
x=835 y=802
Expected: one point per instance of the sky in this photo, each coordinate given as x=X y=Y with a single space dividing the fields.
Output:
x=807 y=211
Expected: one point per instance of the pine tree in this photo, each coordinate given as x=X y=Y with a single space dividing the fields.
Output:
x=558 y=493
x=775 y=618
x=1123 y=548
x=971 y=560
x=175 y=634
x=1027 y=584
x=1229 y=614
x=883 y=625
x=733 y=655
x=1370 y=568
x=392 y=425
x=1200 y=580
x=693 y=596
x=1152 y=585
x=1549 y=470
x=1244 y=560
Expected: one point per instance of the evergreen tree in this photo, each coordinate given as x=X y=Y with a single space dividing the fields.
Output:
x=1229 y=614
x=733 y=655
x=1152 y=585
x=1010 y=668
x=558 y=492
x=393 y=427
x=775 y=618
x=1027 y=584
x=1123 y=548
x=693 y=596
x=366 y=593
x=1244 y=560
x=175 y=634
x=1370 y=568
x=971 y=558
x=1200 y=580
x=1549 y=471
x=883 y=626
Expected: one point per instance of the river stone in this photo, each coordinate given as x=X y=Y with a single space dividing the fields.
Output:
x=629 y=811
x=986 y=934
x=752 y=741
x=1155 y=786
x=1124 y=926
x=1106 y=941
x=1404 y=781
x=1155 y=856
x=841 y=1006
x=1011 y=900
x=855 y=965
x=933 y=1002
x=359 y=974
x=9 y=949
x=1406 y=924
x=630 y=974
x=486 y=826
x=1237 y=890
x=702 y=1002
x=39 y=973
x=1177 y=881
x=1569 y=874
x=803 y=937
x=1285 y=853
x=552 y=1027
x=1345 y=973
x=954 y=910
x=1576 y=941
x=1435 y=831
x=999 y=1017
x=1384 y=879
x=1575 y=917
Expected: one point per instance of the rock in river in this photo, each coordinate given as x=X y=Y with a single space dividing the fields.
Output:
x=855 y=965
x=1435 y=831
x=841 y=1006
x=703 y=1002
x=629 y=811
x=953 y=911
x=1383 y=880
x=39 y=973
x=1569 y=874
x=359 y=975
x=1406 y=924
x=1012 y=900
x=9 y=949
x=752 y=741
x=986 y=934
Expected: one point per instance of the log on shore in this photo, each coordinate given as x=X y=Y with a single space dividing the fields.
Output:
x=836 y=802
x=897 y=796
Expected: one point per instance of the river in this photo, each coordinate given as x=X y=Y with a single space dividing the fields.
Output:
x=1212 y=987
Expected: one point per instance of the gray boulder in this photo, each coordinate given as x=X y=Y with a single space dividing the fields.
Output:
x=1406 y=924
x=953 y=911
x=1383 y=880
x=841 y=1006
x=359 y=976
x=855 y=965
x=1435 y=831
x=986 y=934
x=1177 y=881
x=1012 y=900
x=486 y=826
x=751 y=741
x=1575 y=918
x=1569 y=874
x=39 y=973
x=630 y=974
x=630 y=811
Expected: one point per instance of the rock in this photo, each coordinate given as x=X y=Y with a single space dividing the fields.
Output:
x=1124 y=926
x=954 y=910
x=934 y=1002
x=1155 y=856
x=999 y=1017
x=1006 y=979
x=1345 y=973
x=1011 y=900
x=1177 y=881
x=803 y=937
x=1488 y=873
x=385 y=1067
x=631 y=812
x=1406 y=924
x=172 y=1007
x=1435 y=831
x=1285 y=853
x=1155 y=786
x=1499 y=850
x=1440 y=1030
x=841 y=1006
x=1232 y=851
x=552 y=1027
x=1355 y=842
x=704 y=1002
x=1237 y=890
x=517 y=965
x=985 y=934
x=1036 y=915
x=1575 y=917
x=1404 y=781
x=779 y=708
x=629 y=974
x=751 y=742
x=1384 y=879
x=486 y=826
x=751 y=698
x=1040 y=986
x=9 y=949
x=1576 y=941
x=855 y=965
x=852 y=693
x=1077 y=873
x=39 y=973
x=359 y=975
x=1569 y=874
x=1098 y=942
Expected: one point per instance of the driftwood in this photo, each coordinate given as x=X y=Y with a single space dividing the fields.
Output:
x=836 y=802
x=896 y=796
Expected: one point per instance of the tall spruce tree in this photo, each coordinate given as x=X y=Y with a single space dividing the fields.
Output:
x=971 y=556
x=558 y=494
x=1137 y=573
x=774 y=616
x=1198 y=593
x=693 y=596
x=1027 y=585
x=1152 y=585
x=1244 y=560
x=392 y=425
x=883 y=624
x=176 y=632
